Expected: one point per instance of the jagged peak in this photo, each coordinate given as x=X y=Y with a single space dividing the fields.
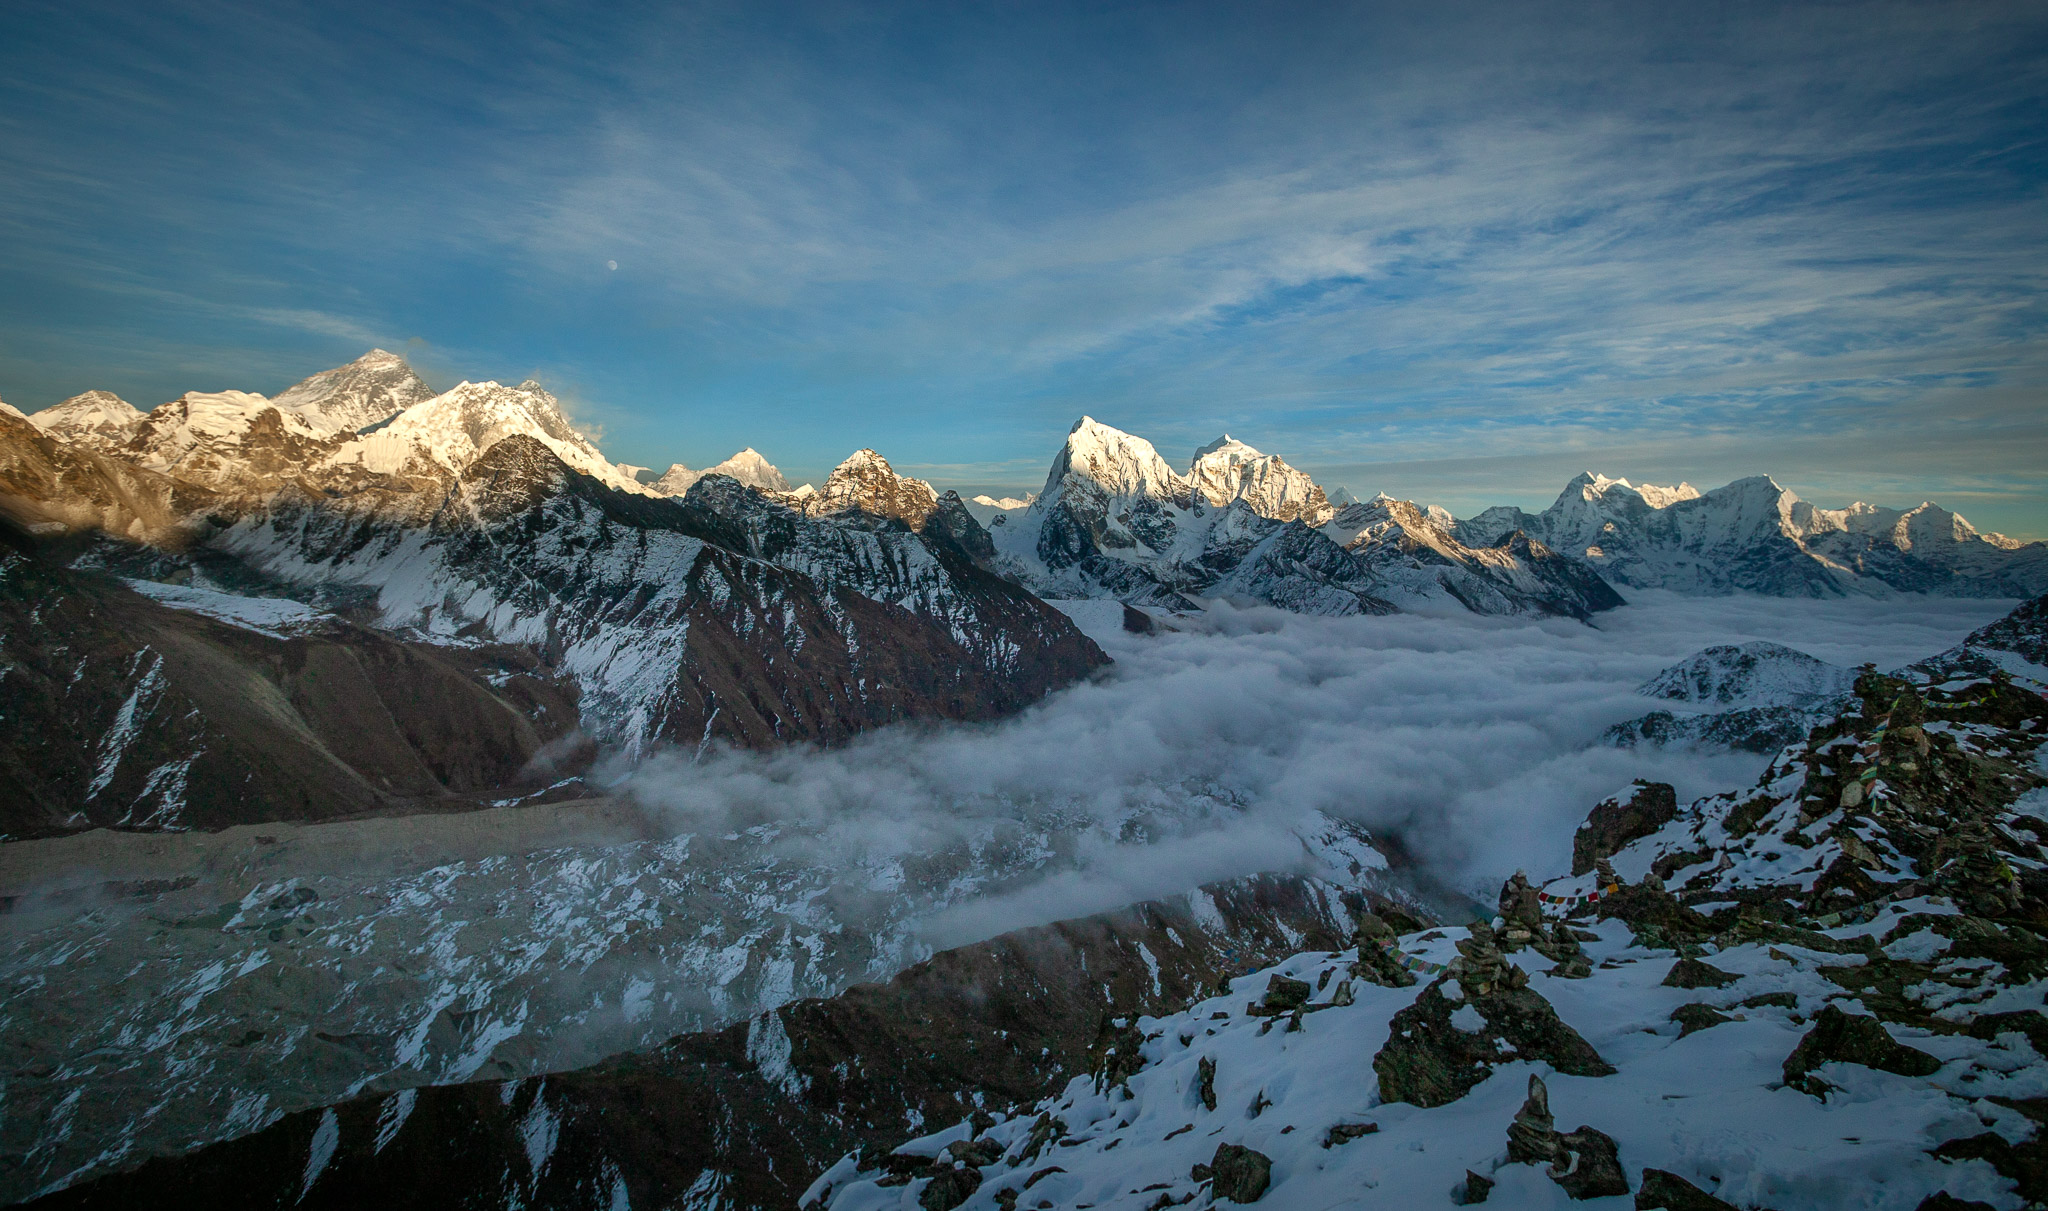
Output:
x=860 y=460
x=1592 y=485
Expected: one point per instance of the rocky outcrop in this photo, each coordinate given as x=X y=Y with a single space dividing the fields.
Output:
x=1843 y=1038
x=1437 y=1051
x=1614 y=822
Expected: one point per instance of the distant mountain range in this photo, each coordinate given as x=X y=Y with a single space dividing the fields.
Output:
x=693 y=606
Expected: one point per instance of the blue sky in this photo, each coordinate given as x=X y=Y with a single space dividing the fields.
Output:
x=1455 y=252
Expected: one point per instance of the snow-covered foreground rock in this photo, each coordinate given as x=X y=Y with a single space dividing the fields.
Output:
x=1709 y=1105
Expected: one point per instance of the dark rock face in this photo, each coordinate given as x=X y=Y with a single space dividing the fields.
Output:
x=1695 y=1017
x=1851 y=1039
x=1427 y=1061
x=1010 y=1018
x=1691 y=973
x=1473 y=1190
x=1673 y=1193
x=722 y=614
x=125 y=712
x=1239 y=1174
x=1616 y=822
x=949 y=1189
x=1575 y=586
x=1589 y=1165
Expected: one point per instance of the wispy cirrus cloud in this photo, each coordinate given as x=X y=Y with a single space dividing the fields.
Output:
x=1361 y=235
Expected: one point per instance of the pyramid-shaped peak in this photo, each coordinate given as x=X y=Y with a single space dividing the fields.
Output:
x=364 y=393
x=1227 y=445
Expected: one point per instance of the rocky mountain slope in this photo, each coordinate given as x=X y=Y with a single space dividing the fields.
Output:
x=1755 y=536
x=2016 y=646
x=1115 y=520
x=679 y=625
x=481 y=517
x=155 y=707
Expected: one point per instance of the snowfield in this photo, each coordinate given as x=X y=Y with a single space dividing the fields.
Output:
x=1710 y=1106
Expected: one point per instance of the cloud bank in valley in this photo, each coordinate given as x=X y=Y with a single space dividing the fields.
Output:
x=1474 y=740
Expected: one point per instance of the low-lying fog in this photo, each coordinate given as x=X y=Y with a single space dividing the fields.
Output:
x=1474 y=739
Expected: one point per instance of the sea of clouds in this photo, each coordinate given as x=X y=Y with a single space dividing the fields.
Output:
x=1205 y=753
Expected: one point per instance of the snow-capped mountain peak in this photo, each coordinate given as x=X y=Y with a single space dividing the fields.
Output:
x=348 y=399
x=866 y=483
x=1226 y=470
x=675 y=481
x=748 y=467
x=453 y=429
x=752 y=470
x=97 y=419
x=1119 y=463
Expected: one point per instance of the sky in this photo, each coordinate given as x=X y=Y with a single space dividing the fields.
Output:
x=1456 y=252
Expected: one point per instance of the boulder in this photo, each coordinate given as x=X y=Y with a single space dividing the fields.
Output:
x=1427 y=1061
x=1850 y=1039
x=1588 y=1165
x=1653 y=914
x=1474 y=1190
x=949 y=1188
x=1696 y=1017
x=1283 y=995
x=1240 y=1174
x=1615 y=822
x=1691 y=973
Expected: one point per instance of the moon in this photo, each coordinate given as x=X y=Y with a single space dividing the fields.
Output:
x=612 y=265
